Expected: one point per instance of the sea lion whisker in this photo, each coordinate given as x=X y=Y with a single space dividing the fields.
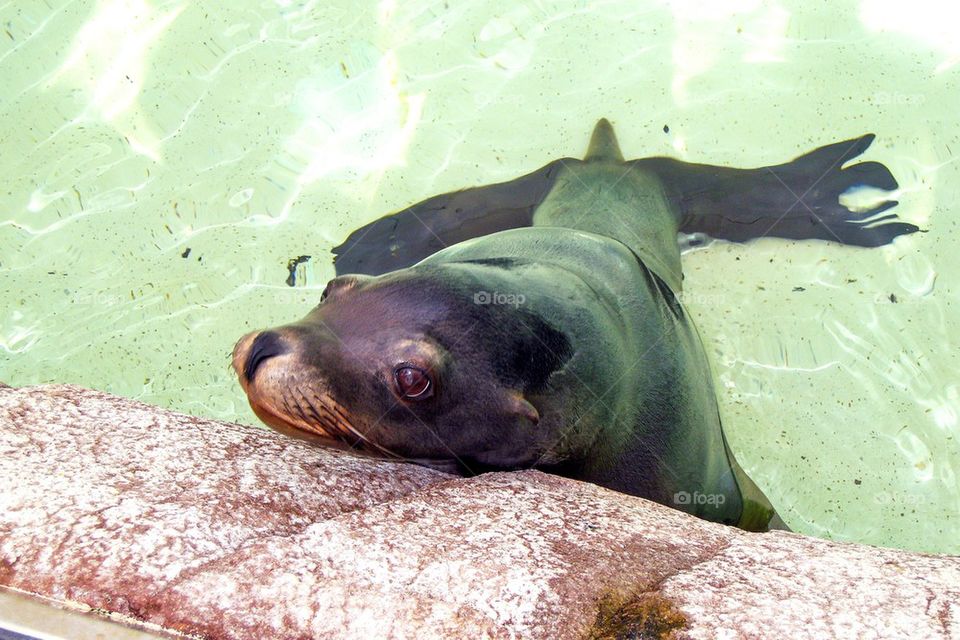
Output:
x=324 y=413
x=316 y=416
x=318 y=413
x=332 y=426
x=343 y=426
x=329 y=427
x=333 y=414
x=286 y=405
x=338 y=413
x=375 y=445
x=299 y=412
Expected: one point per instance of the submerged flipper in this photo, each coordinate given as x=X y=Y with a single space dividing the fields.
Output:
x=797 y=200
x=404 y=238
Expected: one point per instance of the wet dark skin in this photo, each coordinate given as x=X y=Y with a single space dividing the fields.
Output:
x=535 y=323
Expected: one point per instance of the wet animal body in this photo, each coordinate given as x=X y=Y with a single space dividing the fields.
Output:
x=537 y=323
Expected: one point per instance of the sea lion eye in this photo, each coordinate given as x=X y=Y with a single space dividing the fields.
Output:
x=413 y=383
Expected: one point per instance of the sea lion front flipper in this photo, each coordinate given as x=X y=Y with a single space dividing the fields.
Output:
x=404 y=238
x=797 y=200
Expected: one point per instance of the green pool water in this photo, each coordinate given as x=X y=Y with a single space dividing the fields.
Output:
x=161 y=163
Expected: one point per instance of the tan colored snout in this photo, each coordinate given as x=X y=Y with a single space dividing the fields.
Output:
x=280 y=392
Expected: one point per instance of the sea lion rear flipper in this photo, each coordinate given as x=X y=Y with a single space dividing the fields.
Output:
x=603 y=144
x=404 y=238
x=797 y=200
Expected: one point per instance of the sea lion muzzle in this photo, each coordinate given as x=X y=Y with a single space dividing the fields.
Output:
x=293 y=399
x=280 y=395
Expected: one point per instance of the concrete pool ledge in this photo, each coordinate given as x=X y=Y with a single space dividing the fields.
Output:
x=218 y=530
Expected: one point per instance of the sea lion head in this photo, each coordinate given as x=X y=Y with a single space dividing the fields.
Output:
x=414 y=364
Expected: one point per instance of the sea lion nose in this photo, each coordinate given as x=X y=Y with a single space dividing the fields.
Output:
x=265 y=346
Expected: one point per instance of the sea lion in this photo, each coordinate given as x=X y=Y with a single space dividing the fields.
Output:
x=536 y=323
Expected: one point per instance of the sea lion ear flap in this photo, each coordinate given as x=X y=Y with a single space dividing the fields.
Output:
x=343 y=283
x=520 y=406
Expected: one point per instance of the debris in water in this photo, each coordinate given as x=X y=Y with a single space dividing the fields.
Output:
x=292 y=265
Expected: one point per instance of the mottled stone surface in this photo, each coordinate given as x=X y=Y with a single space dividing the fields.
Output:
x=110 y=502
x=225 y=531
x=784 y=585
